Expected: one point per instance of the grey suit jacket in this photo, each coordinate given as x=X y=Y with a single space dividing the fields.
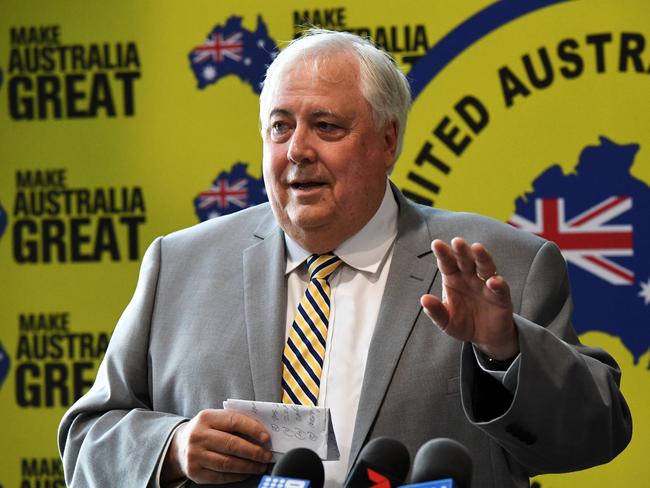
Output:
x=207 y=321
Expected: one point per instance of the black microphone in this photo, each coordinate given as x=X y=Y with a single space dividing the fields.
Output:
x=382 y=463
x=442 y=459
x=300 y=463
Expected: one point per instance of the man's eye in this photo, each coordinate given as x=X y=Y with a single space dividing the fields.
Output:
x=327 y=127
x=278 y=127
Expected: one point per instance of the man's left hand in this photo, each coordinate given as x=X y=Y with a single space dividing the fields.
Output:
x=476 y=305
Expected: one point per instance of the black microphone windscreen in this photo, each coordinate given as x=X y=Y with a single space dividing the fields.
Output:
x=301 y=463
x=388 y=454
x=441 y=459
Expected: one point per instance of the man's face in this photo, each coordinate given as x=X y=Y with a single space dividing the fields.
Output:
x=325 y=162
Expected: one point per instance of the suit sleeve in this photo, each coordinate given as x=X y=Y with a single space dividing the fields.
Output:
x=567 y=412
x=111 y=436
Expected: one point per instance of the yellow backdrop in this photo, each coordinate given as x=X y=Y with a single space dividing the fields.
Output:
x=120 y=122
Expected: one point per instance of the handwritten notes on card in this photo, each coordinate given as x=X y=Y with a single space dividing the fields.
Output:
x=292 y=426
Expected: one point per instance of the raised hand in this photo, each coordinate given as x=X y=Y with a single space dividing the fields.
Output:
x=476 y=305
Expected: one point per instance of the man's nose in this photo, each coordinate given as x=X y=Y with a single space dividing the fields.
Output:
x=301 y=149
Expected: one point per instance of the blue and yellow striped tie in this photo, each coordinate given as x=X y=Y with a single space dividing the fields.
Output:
x=305 y=350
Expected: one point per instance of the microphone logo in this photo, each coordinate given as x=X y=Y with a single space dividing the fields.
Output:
x=379 y=480
x=282 y=482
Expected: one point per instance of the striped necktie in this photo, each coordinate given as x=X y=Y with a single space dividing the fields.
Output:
x=304 y=352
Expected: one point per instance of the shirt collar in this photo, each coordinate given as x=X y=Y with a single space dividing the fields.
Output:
x=366 y=249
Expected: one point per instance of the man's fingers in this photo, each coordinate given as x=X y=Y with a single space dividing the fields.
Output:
x=464 y=256
x=436 y=310
x=204 y=476
x=229 y=444
x=224 y=463
x=485 y=267
x=219 y=446
x=499 y=286
x=445 y=256
x=470 y=260
x=236 y=423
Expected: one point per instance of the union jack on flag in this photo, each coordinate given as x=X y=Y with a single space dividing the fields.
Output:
x=231 y=49
x=216 y=47
x=230 y=192
x=223 y=194
x=586 y=240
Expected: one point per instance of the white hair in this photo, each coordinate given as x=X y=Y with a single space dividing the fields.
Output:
x=383 y=85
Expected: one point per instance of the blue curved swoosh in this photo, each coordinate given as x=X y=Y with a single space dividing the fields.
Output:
x=466 y=34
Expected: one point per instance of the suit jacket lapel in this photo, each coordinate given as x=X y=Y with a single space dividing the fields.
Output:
x=411 y=275
x=264 y=307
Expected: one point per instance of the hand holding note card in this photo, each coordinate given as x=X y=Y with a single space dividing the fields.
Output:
x=292 y=426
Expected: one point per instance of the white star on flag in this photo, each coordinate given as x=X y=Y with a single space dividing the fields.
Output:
x=645 y=292
x=209 y=73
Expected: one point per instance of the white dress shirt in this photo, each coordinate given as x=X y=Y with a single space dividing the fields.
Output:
x=357 y=287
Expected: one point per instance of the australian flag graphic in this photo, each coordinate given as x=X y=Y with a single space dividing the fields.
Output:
x=232 y=50
x=230 y=192
x=4 y=364
x=3 y=220
x=599 y=216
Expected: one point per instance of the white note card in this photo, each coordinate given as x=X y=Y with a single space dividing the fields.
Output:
x=292 y=426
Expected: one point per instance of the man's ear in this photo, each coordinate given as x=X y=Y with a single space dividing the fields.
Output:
x=390 y=139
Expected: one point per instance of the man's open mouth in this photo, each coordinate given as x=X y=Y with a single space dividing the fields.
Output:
x=306 y=185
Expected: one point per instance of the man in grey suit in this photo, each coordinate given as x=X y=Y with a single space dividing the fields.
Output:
x=502 y=370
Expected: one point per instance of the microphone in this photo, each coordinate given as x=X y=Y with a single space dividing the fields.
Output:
x=298 y=468
x=382 y=463
x=442 y=463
